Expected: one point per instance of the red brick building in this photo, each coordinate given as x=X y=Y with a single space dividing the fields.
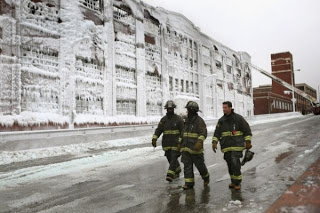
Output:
x=276 y=98
x=302 y=103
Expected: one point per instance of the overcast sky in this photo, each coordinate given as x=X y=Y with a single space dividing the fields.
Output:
x=260 y=27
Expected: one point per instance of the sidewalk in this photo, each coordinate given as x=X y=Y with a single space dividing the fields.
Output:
x=303 y=196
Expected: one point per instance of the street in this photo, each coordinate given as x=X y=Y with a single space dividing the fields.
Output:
x=132 y=178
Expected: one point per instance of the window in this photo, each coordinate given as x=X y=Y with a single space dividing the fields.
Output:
x=238 y=73
x=149 y=39
x=229 y=69
x=125 y=107
x=187 y=86
x=123 y=14
x=91 y=4
x=191 y=62
x=176 y=85
x=182 y=85
x=170 y=83
x=196 y=88
x=195 y=46
x=191 y=87
x=218 y=64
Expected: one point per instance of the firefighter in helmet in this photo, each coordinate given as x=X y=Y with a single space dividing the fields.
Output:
x=170 y=126
x=193 y=135
x=234 y=134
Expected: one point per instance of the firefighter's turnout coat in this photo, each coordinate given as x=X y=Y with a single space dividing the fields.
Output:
x=195 y=129
x=171 y=127
x=232 y=131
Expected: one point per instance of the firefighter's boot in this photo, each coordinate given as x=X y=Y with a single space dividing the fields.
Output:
x=231 y=185
x=169 y=178
x=186 y=187
x=237 y=187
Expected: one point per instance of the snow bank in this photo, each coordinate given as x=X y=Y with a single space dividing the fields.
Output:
x=31 y=118
x=35 y=118
x=121 y=119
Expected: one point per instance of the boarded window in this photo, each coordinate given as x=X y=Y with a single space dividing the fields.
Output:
x=149 y=39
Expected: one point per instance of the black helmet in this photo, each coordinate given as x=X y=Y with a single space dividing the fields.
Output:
x=247 y=157
x=193 y=106
x=170 y=104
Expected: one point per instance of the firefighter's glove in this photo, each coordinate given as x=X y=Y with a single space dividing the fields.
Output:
x=154 y=142
x=214 y=146
x=248 y=145
x=198 y=146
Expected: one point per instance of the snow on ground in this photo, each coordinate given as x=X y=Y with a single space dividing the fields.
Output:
x=112 y=159
x=7 y=157
x=269 y=119
x=308 y=151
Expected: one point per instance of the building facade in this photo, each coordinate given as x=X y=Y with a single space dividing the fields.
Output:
x=276 y=98
x=304 y=105
x=87 y=61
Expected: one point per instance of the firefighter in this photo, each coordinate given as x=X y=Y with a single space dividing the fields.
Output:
x=193 y=135
x=170 y=126
x=234 y=134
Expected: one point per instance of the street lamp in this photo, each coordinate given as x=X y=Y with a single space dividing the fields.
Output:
x=293 y=99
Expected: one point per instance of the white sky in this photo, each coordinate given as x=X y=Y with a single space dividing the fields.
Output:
x=260 y=27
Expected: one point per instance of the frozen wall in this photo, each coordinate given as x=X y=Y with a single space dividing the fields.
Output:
x=93 y=60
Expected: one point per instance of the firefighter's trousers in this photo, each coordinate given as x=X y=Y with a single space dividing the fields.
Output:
x=234 y=166
x=174 y=166
x=198 y=160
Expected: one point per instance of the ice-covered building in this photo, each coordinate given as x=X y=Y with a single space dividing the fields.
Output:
x=81 y=62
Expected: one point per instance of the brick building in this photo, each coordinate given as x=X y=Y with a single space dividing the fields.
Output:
x=302 y=103
x=276 y=98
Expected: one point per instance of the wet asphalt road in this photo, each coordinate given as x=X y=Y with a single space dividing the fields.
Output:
x=280 y=158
